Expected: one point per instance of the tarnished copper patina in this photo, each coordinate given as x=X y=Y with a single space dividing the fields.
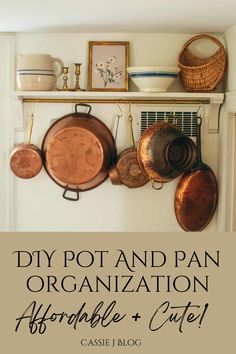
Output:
x=78 y=150
x=196 y=194
x=127 y=170
x=164 y=152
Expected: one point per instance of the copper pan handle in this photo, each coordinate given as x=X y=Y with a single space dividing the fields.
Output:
x=30 y=129
x=84 y=105
x=70 y=198
x=154 y=186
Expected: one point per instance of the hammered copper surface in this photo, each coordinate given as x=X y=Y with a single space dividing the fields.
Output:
x=25 y=161
x=196 y=199
x=164 y=152
x=78 y=150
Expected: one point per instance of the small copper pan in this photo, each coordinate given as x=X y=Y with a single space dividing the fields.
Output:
x=127 y=171
x=26 y=159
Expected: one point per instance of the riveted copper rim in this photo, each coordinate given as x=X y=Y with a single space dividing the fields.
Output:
x=26 y=161
x=78 y=150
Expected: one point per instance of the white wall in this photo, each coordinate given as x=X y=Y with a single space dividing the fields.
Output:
x=147 y=49
x=230 y=37
x=38 y=204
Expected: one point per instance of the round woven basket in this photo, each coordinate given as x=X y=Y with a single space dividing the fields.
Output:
x=202 y=74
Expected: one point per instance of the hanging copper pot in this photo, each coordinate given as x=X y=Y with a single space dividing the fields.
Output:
x=78 y=150
x=26 y=159
x=127 y=171
x=196 y=194
x=164 y=152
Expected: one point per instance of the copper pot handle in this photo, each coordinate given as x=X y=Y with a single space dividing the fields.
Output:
x=70 y=198
x=84 y=105
x=157 y=188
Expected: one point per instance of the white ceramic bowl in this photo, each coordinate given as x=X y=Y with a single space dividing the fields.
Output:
x=153 y=78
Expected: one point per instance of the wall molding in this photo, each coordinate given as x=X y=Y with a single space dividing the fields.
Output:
x=7 y=45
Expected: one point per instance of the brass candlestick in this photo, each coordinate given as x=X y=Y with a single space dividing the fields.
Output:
x=77 y=75
x=65 y=78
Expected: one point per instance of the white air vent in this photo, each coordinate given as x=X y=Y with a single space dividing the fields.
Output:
x=186 y=121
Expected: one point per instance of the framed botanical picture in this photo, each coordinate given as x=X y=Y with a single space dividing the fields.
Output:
x=107 y=66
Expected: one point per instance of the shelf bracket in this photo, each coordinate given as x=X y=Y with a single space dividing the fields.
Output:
x=214 y=112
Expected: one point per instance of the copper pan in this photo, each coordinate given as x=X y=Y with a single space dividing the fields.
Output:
x=164 y=152
x=196 y=194
x=127 y=171
x=78 y=150
x=26 y=159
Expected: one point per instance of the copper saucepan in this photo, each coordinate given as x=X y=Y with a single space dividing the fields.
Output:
x=127 y=171
x=164 y=152
x=78 y=150
x=26 y=159
x=196 y=194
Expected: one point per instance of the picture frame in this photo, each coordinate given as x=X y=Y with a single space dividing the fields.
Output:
x=107 y=64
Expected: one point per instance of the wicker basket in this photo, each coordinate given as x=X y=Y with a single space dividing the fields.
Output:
x=202 y=74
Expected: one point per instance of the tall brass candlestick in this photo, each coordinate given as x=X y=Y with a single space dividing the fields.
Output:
x=65 y=78
x=77 y=75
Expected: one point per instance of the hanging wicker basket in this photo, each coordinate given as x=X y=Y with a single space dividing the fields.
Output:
x=202 y=74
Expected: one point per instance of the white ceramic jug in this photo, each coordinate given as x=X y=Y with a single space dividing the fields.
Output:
x=35 y=72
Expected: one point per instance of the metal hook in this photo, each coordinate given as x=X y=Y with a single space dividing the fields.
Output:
x=130 y=119
x=200 y=106
x=154 y=185
x=120 y=114
x=173 y=108
x=175 y=119
x=32 y=108
x=129 y=113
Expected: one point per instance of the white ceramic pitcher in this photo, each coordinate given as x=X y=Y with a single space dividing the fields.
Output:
x=35 y=72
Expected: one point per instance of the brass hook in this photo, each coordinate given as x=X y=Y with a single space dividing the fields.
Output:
x=129 y=113
x=130 y=118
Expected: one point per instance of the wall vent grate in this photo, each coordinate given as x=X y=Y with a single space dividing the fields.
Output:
x=186 y=121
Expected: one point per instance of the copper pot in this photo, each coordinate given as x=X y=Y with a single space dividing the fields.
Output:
x=164 y=152
x=127 y=171
x=196 y=194
x=78 y=150
x=26 y=159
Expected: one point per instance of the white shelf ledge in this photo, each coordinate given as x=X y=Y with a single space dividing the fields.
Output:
x=211 y=97
x=183 y=98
